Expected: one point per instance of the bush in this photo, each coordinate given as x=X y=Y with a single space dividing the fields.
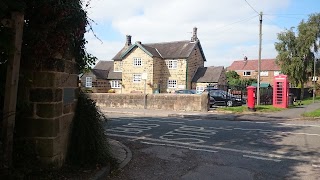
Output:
x=88 y=143
x=111 y=91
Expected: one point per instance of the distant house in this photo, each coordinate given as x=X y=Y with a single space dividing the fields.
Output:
x=164 y=67
x=154 y=67
x=102 y=78
x=249 y=69
x=209 y=76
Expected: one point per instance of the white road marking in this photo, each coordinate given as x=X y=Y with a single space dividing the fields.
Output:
x=265 y=154
x=283 y=124
x=172 y=145
x=154 y=120
x=315 y=165
x=261 y=158
x=271 y=131
x=183 y=134
x=303 y=125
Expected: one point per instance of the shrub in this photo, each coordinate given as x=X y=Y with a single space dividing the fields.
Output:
x=111 y=91
x=88 y=143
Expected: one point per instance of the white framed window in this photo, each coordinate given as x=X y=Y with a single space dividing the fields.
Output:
x=137 y=61
x=200 y=89
x=89 y=82
x=276 y=73
x=246 y=73
x=115 y=84
x=172 y=83
x=264 y=73
x=172 y=64
x=137 y=77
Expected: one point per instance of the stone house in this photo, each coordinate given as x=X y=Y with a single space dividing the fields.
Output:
x=101 y=78
x=249 y=69
x=160 y=67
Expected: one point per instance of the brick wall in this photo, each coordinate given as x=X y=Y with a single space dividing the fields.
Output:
x=178 y=102
x=49 y=92
x=254 y=75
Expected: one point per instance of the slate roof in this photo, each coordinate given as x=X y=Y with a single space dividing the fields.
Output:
x=104 y=70
x=208 y=74
x=165 y=50
x=266 y=65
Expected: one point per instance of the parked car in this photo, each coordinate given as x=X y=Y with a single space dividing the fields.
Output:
x=186 y=91
x=220 y=97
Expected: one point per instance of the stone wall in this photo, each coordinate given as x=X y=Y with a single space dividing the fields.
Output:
x=127 y=72
x=195 y=61
x=177 y=102
x=49 y=91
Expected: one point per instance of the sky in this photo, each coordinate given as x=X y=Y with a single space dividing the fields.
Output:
x=228 y=30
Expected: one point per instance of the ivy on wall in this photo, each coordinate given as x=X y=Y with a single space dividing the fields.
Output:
x=51 y=27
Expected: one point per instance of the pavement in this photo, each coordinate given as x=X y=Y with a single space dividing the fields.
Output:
x=123 y=154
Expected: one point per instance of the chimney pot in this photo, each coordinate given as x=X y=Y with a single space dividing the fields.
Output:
x=194 y=35
x=245 y=58
x=128 y=41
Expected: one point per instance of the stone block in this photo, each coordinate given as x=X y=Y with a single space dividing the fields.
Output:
x=52 y=161
x=49 y=110
x=53 y=64
x=45 y=79
x=45 y=95
x=48 y=147
x=38 y=127
x=65 y=123
x=66 y=108
x=68 y=80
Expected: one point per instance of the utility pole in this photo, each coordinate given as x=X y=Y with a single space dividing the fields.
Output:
x=314 y=79
x=259 y=61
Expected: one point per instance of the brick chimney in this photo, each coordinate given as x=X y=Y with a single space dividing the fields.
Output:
x=194 y=37
x=128 y=41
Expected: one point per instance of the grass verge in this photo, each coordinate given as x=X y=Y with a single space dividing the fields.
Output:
x=315 y=113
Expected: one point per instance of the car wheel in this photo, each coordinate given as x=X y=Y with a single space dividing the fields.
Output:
x=229 y=103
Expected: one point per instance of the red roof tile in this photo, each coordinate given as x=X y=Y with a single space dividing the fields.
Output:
x=266 y=65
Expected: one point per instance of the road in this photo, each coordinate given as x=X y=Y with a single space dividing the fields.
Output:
x=180 y=148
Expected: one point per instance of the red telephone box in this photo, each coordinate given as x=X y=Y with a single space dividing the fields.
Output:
x=251 y=97
x=280 y=91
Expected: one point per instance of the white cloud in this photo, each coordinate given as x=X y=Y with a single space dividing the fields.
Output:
x=227 y=29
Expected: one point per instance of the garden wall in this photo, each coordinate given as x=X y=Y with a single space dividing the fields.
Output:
x=177 y=102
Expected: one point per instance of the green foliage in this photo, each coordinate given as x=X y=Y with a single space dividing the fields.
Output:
x=244 y=108
x=315 y=113
x=296 y=50
x=88 y=144
x=233 y=79
x=51 y=27
x=232 y=75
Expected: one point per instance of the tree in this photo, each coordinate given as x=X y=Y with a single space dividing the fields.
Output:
x=234 y=79
x=296 y=50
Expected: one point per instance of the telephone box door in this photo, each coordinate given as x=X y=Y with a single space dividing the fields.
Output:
x=280 y=91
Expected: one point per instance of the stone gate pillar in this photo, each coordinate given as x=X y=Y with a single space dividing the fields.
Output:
x=50 y=93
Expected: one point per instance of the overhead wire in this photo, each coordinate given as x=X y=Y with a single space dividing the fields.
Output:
x=251 y=7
